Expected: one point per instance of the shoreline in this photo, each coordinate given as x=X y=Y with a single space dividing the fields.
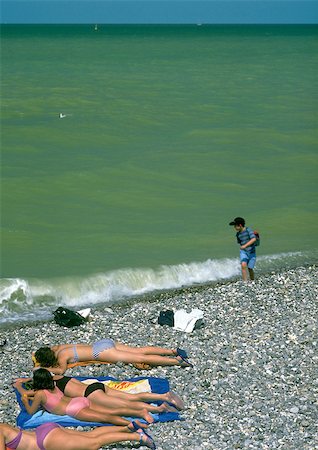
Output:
x=253 y=384
x=149 y=297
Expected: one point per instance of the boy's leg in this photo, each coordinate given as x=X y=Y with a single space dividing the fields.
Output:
x=244 y=261
x=251 y=272
x=251 y=265
x=244 y=271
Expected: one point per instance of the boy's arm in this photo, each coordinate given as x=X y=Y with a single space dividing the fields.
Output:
x=249 y=243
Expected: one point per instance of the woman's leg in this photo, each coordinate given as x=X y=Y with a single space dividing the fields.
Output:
x=148 y=350
x=131 y=410
x=169 y=397
x=100 y=431
x=90 y=415
x=114 y=355
x=91 y=440
x=122 y=405
x=114 y=416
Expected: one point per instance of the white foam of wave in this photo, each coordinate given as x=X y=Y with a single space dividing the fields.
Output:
x=9 y=286
x=130 y=282
x=115 y=285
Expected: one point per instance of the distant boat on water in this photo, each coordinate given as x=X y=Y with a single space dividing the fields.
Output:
x=96 y=27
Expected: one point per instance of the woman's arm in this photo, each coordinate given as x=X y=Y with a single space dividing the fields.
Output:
x=61 y=368
x=35 y=403
x=57 y=370
x=2 y=440
x=18 y=385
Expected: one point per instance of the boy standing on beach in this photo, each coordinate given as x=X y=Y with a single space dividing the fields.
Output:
x=246 y=238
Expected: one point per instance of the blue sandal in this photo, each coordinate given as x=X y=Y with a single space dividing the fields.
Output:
x=133 y=426
x=186 y=362
x=182 y=353
x=146 y=439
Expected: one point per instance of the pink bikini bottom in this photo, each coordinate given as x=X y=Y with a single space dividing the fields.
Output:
x=76 y=405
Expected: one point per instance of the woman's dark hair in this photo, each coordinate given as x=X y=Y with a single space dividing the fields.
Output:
x=46 y=357
x=42 y=379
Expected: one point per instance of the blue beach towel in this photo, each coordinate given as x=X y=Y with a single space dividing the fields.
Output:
x=26 y=421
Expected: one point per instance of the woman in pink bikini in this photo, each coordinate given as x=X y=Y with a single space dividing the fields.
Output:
x=100 y=394
x=51 y=436
x=56 y=358
x=48 y=396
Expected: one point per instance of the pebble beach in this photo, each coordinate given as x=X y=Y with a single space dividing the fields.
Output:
x=254 y=383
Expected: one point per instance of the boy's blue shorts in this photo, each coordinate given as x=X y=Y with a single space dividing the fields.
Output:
x=249 y=258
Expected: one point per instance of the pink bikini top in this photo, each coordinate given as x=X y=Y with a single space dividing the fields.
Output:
x=52 y=399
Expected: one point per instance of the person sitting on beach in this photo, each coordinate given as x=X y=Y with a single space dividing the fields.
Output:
x=101 y=394
x=50 y=436
x=47 y=395
x=58 y=357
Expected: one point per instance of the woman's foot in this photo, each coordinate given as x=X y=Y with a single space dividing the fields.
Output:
x=175 y=400
x=165 y=407
x=146 y=439
x=184 y=362
x=136 y=425
x=147 y=416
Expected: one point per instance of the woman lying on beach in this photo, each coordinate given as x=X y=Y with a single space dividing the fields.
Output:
x=56 y=358
x=50 y=436
x=122 y=403
x=45 y=394
x=100 y=394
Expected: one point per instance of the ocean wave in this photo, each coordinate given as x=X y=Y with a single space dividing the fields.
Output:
x=23 y=300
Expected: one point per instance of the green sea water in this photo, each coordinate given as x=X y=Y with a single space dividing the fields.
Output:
x=167 y=134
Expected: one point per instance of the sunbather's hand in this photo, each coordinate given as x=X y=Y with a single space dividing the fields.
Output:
x=25 y=399
x=17 y=382
x=21 y=380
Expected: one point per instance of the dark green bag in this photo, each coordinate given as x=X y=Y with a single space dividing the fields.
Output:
x=166 y=318
x=68 y=318
x=258 y=238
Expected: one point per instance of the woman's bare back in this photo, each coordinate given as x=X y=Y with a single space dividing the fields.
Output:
x=73 y=353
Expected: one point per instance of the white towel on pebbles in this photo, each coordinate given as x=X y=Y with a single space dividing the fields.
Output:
x=184 y=321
